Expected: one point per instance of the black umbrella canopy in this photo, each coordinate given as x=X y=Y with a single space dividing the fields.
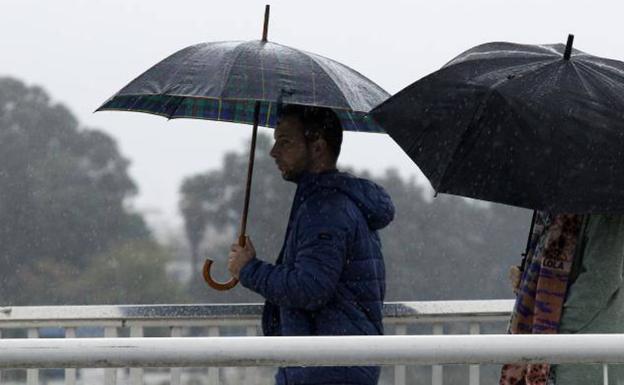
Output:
x=223 y=80
x=524 y=125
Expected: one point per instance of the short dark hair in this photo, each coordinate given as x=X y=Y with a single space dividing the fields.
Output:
x=318 y=122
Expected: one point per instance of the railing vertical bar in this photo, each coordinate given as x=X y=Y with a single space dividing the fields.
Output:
x=70 y=374
x=213 y=372
x=605 y=374
x=110 y=374
x=0 y=370
x=32 y=375
x=136 y=374
x=474 y=370
x=436 y=370
x=251 y=373
x=400 y=371
x=176 y=373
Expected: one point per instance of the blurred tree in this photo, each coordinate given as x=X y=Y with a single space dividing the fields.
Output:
x=195 y=215
x=449 y=247
x=132 y=273
x=129 y=273
x=214 y=201
x=62 y=192
x=445 y=248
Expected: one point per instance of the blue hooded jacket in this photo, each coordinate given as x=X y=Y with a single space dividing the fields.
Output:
x=329 y=278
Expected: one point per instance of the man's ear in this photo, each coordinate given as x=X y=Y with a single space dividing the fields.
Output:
x=319 y=146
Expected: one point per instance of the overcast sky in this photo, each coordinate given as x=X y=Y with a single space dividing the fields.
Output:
x=83 y=51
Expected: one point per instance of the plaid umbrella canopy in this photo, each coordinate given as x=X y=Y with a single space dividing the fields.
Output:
x=223 y=81
x=247 y=82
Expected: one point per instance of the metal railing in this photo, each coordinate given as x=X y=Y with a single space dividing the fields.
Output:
x=311 y=351
x=175 y=321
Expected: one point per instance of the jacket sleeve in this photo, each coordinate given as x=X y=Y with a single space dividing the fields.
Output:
x=601 y=273
x=310 y=282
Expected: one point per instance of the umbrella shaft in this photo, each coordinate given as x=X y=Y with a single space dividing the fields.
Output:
x=265 y=28
x=528 y=245
x=252 y=156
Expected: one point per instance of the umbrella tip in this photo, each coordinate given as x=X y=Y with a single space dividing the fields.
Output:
x=568 y=50
x=265 y=29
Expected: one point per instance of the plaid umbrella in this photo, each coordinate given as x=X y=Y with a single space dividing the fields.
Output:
x=224 y=80
x=246 y=82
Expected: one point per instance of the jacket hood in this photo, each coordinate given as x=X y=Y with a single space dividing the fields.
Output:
x=372 y=200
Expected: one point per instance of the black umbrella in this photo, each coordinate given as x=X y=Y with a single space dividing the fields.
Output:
x=535 y=126
x=247 y=82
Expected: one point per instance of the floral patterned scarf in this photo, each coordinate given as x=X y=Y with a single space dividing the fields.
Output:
x=543 y=289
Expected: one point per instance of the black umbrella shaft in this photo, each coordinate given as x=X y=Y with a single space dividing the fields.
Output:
x=528 y=245
x=252 y=157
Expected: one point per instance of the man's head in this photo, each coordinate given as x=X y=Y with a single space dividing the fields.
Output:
x=306 y=139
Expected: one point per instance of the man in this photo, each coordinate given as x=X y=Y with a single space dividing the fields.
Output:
x=329 y=278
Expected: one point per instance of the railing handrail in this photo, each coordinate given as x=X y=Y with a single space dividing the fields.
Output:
x=310 y=351
x=185 y=314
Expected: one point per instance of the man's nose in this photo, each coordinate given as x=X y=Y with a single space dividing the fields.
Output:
x=273 y=152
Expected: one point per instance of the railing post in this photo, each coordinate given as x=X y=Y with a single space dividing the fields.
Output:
x=176 y=373
x=213 y=372
x=251 y=373
x=436 y=370
x=70 y=374
x=136 y=374
x=32 y=375
x=473 y=370
x=605 y=374
x=400 y=370
x=110 y=374
x=0 y=370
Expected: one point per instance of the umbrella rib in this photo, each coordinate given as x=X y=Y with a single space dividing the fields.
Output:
x=260 y=59
x=580 y=78
x=604 y=64
x=336 y=83
x=475 y=117
x=317 y=59
x=518 y=70
x=226 y=74
x=483 y=55
x=268 y=115
x=313 y=87
x=192 y=51
x=556 y=190
x=172 y=115
x=605 y=80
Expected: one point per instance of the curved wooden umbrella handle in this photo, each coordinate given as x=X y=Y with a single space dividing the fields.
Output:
x=219 y=285
x=214 y=284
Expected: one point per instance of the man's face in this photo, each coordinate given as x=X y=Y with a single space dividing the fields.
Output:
x=290 y=150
